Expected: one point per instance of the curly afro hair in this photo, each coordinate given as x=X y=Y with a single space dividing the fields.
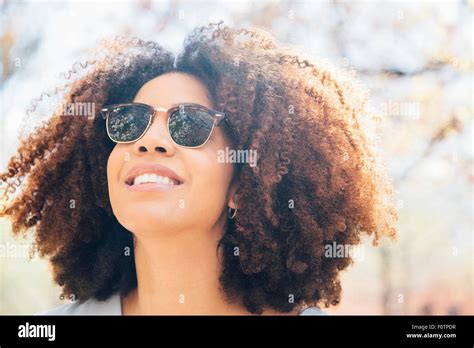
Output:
x=318 y=181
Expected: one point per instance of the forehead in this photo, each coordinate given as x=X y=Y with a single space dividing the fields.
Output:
x=174 y=88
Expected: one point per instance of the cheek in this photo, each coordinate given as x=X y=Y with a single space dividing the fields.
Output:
x=114 y=165
x=211 y=181
x=119 y=201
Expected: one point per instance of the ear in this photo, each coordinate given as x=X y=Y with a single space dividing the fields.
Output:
x=232 y=196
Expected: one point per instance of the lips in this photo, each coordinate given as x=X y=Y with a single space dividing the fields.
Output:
x=151 y=169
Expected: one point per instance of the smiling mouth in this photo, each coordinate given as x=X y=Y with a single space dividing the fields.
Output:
x=152 y=179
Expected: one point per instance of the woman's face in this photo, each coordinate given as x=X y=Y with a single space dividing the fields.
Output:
x=201 y=200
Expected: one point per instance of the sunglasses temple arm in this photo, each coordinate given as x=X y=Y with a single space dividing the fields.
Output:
x=103 y=113
x=219 y=118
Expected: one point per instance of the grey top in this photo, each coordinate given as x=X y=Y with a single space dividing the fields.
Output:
x=113 y=306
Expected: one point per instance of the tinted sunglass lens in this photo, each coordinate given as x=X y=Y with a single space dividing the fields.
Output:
x=190 y=127
x=127 y=123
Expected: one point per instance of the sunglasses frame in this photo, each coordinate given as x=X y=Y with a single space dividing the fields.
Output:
x=217 y=118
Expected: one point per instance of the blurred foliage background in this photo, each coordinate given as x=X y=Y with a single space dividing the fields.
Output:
x=417 y=60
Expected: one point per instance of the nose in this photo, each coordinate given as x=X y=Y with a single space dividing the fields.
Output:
x=156 y=139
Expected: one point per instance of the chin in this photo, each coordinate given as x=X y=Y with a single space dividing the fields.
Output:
x=148 y=221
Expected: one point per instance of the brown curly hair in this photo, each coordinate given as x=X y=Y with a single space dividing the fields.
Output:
x=318 y=180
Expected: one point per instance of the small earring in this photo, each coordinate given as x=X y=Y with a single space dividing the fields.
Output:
x=232 y=214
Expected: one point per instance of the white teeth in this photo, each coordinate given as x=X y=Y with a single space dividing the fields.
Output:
x=146 y=178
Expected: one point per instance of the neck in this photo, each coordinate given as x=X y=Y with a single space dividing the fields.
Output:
x=179 y=274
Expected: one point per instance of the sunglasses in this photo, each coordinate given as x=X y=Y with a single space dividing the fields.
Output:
x=189 y=125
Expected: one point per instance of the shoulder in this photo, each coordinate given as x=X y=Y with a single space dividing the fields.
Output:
x=312 y=311
x=111 y=306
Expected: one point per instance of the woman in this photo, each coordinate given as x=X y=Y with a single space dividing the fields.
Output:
x=209 y=183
